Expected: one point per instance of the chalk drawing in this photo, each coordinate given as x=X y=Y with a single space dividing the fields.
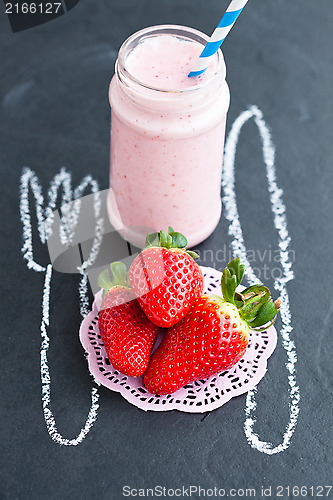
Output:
x=70 y=217
x=239 y=250
x=45 y=217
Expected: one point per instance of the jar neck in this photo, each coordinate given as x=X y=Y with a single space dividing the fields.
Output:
x=143 y=94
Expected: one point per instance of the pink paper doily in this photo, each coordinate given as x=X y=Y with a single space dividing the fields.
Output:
x=199 y=396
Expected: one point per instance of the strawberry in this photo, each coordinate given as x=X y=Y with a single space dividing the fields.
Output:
x=165 y=278
x=213 y=336
x=127 y=334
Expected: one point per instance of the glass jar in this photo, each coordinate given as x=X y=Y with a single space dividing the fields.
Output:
x=166 y=143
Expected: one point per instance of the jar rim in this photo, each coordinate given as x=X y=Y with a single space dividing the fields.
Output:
x=166 y=29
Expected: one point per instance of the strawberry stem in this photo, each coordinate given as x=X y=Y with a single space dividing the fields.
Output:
x=171 y=239
x=254 y=304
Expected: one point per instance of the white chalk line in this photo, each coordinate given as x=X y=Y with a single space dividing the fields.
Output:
x=239 y=250
x=45 y=217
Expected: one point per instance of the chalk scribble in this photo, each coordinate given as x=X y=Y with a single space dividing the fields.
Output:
x=45 y=217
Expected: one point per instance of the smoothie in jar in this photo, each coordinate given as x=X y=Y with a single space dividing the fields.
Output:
x=167 y=136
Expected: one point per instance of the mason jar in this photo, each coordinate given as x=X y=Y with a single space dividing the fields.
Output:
x=167 y=136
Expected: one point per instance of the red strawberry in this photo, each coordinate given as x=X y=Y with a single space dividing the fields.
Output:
x=212 y=337
x=165 y=278
x=128 y=335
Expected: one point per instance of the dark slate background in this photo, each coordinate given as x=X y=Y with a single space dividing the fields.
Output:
x=54 y=113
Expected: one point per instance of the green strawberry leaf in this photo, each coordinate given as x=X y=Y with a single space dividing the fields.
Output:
x=153 y=240
x=228 y=285
x=171 y=239
x=236 y=269
x=103 y=280
x=119 y=273
x=255 y=297
x=178 y=240
x=266 y=313
x=254 y=304
x=250 y=291
x=239 y=300
x=232 y=275
x=165 y=239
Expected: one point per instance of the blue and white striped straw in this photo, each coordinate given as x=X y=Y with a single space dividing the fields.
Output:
x=217 y=38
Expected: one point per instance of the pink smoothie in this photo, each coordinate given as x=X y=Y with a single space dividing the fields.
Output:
x=167 y=147
x=165 y=61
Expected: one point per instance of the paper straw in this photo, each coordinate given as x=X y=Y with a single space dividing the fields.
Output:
x=219 y=35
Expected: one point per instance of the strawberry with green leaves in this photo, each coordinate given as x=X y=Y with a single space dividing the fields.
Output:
x=213 y=336
x=127 y=334
x=165 y=278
